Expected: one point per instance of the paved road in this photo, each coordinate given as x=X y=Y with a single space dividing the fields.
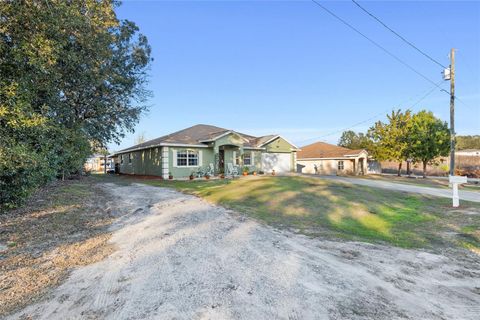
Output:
x=438 y=192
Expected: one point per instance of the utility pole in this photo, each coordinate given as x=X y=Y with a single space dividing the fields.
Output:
x=454 y=180
x=452 y=112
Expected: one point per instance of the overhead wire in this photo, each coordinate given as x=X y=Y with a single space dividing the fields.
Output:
x=382 y=113
x=373 y=42
x=398 y=35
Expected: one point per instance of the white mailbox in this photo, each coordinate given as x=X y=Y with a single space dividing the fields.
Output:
x=457 y=179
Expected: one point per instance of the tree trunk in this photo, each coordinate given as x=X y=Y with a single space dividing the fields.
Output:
x=399 y=173
x=424 y=169
x=408 y=168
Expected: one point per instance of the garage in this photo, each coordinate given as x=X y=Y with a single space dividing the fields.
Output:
x=280 y=162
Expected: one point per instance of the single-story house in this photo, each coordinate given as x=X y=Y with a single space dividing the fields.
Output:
x=329 y=159
x=209 y=149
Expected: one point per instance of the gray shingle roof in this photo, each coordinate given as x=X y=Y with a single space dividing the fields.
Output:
x=194 y=136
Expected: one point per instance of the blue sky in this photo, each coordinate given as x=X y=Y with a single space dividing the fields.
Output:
x=287 y=67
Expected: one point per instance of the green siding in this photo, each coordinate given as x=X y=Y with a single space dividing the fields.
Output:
x=279 y=145
x=184 y=172
x=231 y=139
x=144 y=162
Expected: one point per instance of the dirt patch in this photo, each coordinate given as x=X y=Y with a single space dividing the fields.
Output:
x=179 y=257
x=63 y=226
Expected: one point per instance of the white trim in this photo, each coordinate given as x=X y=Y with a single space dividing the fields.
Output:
x=332 y=158
x=175 y=158
x=217 y=137
x=184 y=145
x=295 y=148
x=162 y=145
x=243 y=159
x=268 y=141
x=225 y=134
x=165 y=166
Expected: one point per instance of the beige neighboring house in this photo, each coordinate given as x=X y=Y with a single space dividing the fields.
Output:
x=328 y=159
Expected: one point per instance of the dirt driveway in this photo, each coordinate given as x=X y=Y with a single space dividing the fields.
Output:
x=180 y=257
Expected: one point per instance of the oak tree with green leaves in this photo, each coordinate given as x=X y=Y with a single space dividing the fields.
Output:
x=428 y=139
x=73 y=75
x=389 y=140
x=352 y=140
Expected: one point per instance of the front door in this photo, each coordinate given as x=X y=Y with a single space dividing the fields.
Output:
x=221 y=161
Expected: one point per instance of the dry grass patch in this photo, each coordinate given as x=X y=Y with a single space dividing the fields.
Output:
x=63 y=226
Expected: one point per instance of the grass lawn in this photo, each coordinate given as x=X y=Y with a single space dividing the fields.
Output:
x=316 y=207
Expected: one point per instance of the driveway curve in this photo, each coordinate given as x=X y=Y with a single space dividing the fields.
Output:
x=437 y=192
x=179 y=257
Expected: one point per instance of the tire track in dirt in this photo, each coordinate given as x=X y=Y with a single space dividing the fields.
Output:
x=180 y=257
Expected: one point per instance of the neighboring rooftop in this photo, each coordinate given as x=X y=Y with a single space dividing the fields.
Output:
x=197 y=135
x=325 y=150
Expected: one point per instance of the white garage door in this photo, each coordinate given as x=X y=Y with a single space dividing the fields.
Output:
x=280 y=162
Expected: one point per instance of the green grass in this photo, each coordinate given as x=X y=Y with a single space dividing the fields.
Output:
x=317 y=207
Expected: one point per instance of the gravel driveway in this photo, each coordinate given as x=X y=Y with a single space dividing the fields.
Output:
x=180 y=257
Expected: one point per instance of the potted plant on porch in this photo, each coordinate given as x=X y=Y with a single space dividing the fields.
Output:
x=170 y=176
x=191 y=176
x=245 y=171
x=207 y=176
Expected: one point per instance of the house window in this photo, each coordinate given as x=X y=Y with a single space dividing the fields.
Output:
x=247 y=159
x=121 y=159
x=187 y=158
x=129 y=158
x=340 y=165
x=236 y=158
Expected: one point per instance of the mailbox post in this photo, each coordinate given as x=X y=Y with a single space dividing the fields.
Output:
x=455 y=181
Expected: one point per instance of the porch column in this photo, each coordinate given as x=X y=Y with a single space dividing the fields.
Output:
x=165 y=167
x=216 y=159
x=355 y=166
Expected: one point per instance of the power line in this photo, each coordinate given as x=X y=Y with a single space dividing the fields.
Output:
x=374 y=42
x=398 y=35
x=427 y=93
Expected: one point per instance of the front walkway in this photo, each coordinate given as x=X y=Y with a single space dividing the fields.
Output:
x=438 y=192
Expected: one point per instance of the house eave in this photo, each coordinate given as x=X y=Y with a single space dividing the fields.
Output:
x=184 y=145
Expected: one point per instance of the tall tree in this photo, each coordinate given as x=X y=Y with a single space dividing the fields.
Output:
x=389 y=139
x=353 y=140
x=429 y=138
x=140 y=138
x=73 y=73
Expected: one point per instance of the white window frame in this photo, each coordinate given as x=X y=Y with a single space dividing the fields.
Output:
x=187 y=158
x=341 y=164
x=121 y=159
x=130 y=158
x=250 y=157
